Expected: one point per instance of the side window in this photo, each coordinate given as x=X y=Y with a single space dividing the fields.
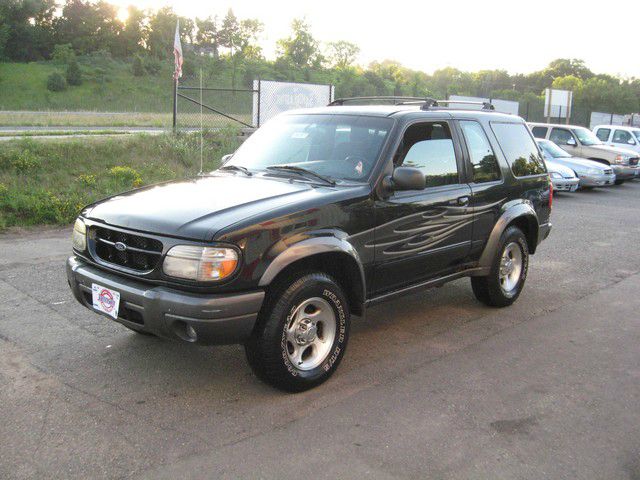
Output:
x=519 y=149
x=539 y=132
x=603 y=134
x=560 y=136
x=484 y=162
x=622 y=136
x=429 y=147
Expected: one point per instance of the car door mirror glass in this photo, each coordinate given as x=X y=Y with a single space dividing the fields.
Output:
x=407 y=178
x=571 y=142
x=226 y=158
x=631 y=141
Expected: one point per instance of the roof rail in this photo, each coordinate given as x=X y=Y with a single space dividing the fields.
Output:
x=425 y=103
x=394 y=99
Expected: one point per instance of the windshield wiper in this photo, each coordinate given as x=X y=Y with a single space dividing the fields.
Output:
x=302 y=172
x=237 y=168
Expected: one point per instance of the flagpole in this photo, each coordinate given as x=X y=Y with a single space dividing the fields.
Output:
x=175 y=104
x=201 y=126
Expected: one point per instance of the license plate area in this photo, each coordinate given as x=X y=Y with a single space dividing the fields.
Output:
x=105 y=300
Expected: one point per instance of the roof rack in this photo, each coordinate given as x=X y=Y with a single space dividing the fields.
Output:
x=425 y=103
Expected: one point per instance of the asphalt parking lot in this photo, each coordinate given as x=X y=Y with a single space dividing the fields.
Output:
x=434 y=385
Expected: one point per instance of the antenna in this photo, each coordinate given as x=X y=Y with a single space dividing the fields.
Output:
x=201 y=126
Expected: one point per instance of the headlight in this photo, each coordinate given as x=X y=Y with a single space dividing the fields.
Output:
x=622 y=159
x=202 y=264
x=555 y=175
x=79 y=236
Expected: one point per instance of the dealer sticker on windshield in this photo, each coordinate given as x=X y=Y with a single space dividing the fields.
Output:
x=105 y=300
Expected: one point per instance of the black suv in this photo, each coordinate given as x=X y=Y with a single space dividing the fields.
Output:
x=318 y=215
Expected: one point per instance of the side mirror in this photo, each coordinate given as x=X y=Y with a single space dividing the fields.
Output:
x=226 y=158
x=631 y=141
x=406 y=178
x=571 y=142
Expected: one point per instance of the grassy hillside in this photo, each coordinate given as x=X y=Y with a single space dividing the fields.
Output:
x=108 y=86
x=47 y=181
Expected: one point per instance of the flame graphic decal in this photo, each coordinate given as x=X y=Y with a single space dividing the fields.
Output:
x=422 y=231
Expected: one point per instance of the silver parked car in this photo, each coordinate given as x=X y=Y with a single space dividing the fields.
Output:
x=563 y=178
x=591 y=173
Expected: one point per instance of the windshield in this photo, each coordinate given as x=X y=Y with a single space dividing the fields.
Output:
x=342 y=147
x=586 y=137
x=553 y=150
x=637 y=134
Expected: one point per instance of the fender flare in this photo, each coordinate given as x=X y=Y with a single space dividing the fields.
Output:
x=524 y=210
x=307 y=248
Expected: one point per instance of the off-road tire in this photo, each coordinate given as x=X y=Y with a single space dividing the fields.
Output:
x=267 y=348
x=487 y=289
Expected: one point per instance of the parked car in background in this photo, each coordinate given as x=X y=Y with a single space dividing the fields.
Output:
x=582 y=142
x=590 y=173
x=563 y=178
x=619 y=136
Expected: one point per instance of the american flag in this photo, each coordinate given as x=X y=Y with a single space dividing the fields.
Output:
x=177 y=53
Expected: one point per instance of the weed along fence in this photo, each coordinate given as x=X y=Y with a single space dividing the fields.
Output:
x=248 y=108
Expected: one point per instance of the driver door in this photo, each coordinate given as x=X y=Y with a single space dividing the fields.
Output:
x=427 y=233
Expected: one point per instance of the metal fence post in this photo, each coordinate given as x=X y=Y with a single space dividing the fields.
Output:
x=259 y=99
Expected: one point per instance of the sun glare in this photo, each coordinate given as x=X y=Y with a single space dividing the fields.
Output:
x=123 y=14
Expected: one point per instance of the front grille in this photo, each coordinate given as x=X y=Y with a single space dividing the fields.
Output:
x=633 y=161
x=139 y=253
x=608 y=171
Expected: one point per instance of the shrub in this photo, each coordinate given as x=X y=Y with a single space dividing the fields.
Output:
x=26 y=162
x=4 y=191
x=126 y=175
x=138 y=66
x=63 y=54
x=152 y=66
x=56 y=82
x=74 y=74
x=87 y=180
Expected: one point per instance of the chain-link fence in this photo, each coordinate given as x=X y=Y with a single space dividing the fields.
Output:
x=213 y=108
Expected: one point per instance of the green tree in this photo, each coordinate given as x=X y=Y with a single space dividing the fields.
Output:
x=74 y=74
x=301 y=49
x=132 y=36
x=208 y=36
x=56 y=82
x=26 y=29
x=342 y=54
x=137 y=67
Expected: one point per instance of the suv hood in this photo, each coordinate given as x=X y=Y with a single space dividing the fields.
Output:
x=197 y=208
x=614 y=150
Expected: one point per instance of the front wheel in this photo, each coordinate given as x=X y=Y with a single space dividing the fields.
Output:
x=301 y=334
x=508 y=272
x=619 y=182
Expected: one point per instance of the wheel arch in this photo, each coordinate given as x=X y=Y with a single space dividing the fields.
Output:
x=329 y=254
x=521 y=215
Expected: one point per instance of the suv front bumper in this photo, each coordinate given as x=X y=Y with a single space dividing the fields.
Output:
x=624 y=172
x=166 y=312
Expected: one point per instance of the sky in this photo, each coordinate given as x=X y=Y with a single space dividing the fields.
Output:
x=517 y=36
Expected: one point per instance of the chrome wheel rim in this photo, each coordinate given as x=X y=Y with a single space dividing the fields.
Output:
x=510 y=267
x=310 y=333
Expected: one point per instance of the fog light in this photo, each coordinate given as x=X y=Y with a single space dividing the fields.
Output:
x=191 y=333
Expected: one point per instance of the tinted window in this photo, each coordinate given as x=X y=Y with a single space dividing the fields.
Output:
x=429 y=147
x=485 y=164
x=603 y=134
x=560 y=136
x=622 y=136
x=519 y=148
x=539 y=132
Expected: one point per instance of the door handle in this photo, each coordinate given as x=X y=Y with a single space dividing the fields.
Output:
x=461 y=201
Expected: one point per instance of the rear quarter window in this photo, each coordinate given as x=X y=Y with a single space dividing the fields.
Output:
x=603 y=134
x=539 y=132
x=519 y=148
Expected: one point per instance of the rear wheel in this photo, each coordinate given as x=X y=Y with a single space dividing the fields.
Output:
x=508 y=272
x=301 y=334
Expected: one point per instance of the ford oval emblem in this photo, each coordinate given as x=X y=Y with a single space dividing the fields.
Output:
x=121 y=247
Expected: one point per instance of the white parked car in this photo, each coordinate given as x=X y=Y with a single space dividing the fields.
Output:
x=619 y=136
